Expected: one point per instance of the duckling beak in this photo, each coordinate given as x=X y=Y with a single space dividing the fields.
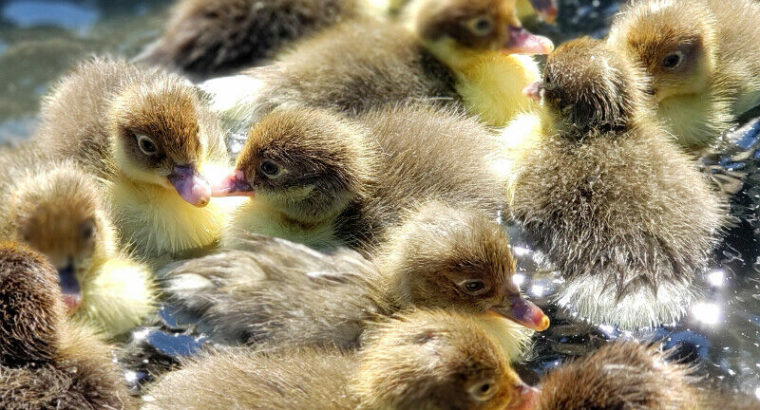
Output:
x=233 y=184
x=190 y=185
x=546 y=9
x=534 y=91
x=528 y=397
x=523 y=312
x=72 y=293
x=522 y=41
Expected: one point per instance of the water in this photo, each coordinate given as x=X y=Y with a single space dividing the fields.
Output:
x=40 y=40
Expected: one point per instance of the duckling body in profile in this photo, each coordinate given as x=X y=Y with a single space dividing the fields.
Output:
x=149 y=137
x=55 y=208
x=271 y=290
x=422 y=360
x=438 y=52
x=615 y=205
x=701 y=59
x=319 y=179
x=46 y=362
x=207 y=38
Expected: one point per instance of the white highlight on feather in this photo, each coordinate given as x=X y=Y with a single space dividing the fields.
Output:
x=232 y=91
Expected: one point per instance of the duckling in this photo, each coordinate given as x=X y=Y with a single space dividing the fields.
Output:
x=619 y=209
x=320 y=179
x=439 y=52
x=430 y=360
x=46 y=362
x=149 y=137
x=621 y=375
x=701 y=59
x=56 y=209
x=207 y=38
x=269 y=289
x=546 y=10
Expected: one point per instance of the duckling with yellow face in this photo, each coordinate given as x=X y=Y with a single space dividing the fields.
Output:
x=601 y=188
x=149 y=138
x=46 y=361
x=700 y=58
x=421 y=360
x=56 y=209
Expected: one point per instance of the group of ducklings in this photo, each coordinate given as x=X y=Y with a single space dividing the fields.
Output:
x=352 y=255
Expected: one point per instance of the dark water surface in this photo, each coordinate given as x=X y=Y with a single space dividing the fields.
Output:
x=39 y=40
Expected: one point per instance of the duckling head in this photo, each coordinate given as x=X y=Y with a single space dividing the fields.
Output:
x=436 y=359
x=59 y=214
x=452 y=27
x=674 y=40
x=30 y=307
x=159 y=128
x=457 y=259
x=587 y=86
x=309 y=164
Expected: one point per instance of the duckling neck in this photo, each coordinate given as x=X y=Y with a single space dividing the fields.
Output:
x=489 y=82
x=159 y=221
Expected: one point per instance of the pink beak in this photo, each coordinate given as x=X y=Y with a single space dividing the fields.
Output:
x=523 y=312
x=534 y=91
x=522 y=41
x=233 y=184
x=528 y=397
x=546 y=9
x=190 y=185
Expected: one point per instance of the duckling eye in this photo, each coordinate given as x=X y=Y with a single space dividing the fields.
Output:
x=147 y=146
x=673 y=60
x=474 y=286
x=480 y=26
x=270 y=169
x=483 y=390
x=87 y=230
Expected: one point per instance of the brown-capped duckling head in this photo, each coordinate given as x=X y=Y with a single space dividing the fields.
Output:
x=160 y=128
x=474 y=25
x=675 y=41
x=587 y=86
x=30 y=306
x=436 y=360
x=624 y=375
x=59 y=214
x=442 y=257
x=307 y=163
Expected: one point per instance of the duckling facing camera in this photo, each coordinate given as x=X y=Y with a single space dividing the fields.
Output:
x=439 y=52
x=619 y=209
x=46 y=362
x=283 y=293
x=149 y=137
x=316 y=178
x=55 y=208
x=421 y=360
x=701 y=58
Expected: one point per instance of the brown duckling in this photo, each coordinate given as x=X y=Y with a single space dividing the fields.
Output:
x=207 y=38
x=440 y=257
x=701 y=58
x=56 y=209
x=319 y=179
x=149 y=136
x=450 y=50
x=423 y=360
x=619 y=209
x=46 y=362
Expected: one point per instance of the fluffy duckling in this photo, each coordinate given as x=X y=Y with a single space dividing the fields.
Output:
x=622 y=375
x=616 y=206
x=207 y=38
x=450 y=50
x=149 y=136
x=56 y=209
x=46 y=362
x=319 y=179
x=423 y=360
x=273 y=290
x=701 y=59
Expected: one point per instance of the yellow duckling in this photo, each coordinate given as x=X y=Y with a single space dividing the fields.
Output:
x=56 y=209
x=701 y=58
x=150 y=138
